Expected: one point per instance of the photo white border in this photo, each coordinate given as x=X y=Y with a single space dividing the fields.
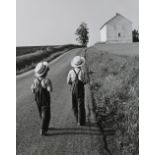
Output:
x=147 y=78
x=8 y=77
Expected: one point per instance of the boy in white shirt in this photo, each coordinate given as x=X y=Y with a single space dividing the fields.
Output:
x=77 y=79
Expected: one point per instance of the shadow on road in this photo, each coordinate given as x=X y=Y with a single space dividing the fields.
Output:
x=73 y=131
x=88 y=129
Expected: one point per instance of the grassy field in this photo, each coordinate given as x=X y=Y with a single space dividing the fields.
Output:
x=28 y=57
x=121 y=49
x=114 y=83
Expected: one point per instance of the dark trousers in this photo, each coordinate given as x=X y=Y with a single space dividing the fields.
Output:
x=39 y=109
x=79 y=109
x=45 y=115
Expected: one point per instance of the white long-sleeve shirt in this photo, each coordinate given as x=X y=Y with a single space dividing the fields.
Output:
x=72 y=76
x=46 y=83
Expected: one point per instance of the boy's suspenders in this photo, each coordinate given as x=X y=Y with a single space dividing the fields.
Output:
x=77 y=74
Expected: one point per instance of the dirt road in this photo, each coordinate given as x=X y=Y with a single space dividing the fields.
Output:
x=64 y=136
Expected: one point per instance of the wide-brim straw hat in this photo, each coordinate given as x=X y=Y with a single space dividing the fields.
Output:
x=41 y=69
x=78 y=61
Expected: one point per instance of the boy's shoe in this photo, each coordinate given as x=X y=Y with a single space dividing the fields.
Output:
x=42 y=132
x=78 y=124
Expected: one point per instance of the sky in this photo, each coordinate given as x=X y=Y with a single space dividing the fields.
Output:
x=54 y=22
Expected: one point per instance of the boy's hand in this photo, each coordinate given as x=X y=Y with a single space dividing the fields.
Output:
x=32 y=88
x=49 y=86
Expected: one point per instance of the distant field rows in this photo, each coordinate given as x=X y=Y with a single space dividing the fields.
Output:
x=26 y=60
x=31 y=49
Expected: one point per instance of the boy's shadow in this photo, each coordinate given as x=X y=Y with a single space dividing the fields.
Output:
x=87 y=129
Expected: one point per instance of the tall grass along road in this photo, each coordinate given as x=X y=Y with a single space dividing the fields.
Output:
x=114 y=83
x=64 y=137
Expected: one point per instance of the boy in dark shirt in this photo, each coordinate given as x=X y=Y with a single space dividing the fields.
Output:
x=42 y=87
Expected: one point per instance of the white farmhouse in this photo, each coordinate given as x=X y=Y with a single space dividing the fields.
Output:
x=117 y=30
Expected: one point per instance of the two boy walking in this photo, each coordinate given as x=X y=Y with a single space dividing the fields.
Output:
x=42 y=87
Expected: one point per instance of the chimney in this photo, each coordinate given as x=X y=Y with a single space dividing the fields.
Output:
x=118 y=14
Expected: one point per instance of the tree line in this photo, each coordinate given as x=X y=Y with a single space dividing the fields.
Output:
x=135 y=35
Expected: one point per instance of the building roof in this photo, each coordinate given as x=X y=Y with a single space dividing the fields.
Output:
x=110 y=20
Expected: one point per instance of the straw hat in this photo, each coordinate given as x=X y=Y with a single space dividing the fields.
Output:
x=41 y=69
x=78 y=61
